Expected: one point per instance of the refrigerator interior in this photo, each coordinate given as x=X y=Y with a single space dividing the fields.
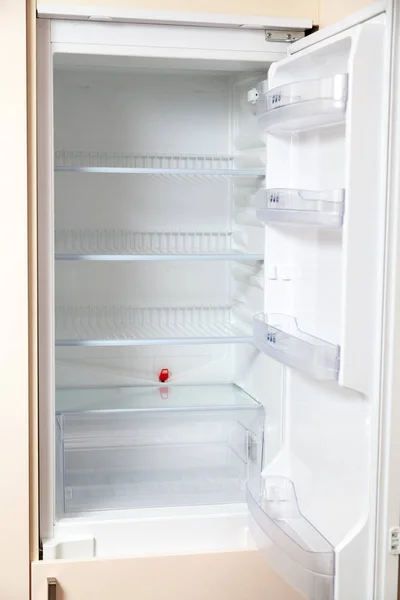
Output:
x=190 y=375
x=161 y=397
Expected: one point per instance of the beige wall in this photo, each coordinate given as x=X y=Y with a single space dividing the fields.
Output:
x=331 y=11
x=14 y=422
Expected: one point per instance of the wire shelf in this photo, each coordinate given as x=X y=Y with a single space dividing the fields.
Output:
x=135 y=326
x=161 y=164
x=123 y=245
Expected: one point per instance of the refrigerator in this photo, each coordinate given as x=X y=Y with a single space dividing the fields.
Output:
x=211 y=229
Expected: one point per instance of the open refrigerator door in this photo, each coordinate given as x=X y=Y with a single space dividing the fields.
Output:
x=322 y=115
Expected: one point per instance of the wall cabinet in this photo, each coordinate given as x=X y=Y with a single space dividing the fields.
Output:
x=223 y=575
x=307 y=9
x=226 y=576
x=14 y=427
x=123 y=474
x=322 y=12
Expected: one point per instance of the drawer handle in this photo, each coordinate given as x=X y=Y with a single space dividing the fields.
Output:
x=51 y=588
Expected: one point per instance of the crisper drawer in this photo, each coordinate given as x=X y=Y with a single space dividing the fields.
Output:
x=153 y=447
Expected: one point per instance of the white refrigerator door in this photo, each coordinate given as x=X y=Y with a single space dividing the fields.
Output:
x=324 y=118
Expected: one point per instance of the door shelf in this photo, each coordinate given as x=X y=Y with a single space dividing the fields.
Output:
x=301 y=207
x=151 y=164
x=302 y=105
x=279 y=336
x=137 y=326
x=123 y=245
x=290 y=541
x=141 y=447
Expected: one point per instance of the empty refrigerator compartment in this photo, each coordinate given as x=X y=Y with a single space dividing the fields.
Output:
x=294 y=547
x=301 y=207
x=155 y=446
x=280 y=337
x=118 y=244
x=132 y=326
x=151 y=164
x=302 y=105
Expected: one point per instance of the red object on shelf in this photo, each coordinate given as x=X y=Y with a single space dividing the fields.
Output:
x=163 y=376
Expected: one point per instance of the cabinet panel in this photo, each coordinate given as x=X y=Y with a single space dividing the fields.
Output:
x=322 y=12
x=307 y=9
x=225 y=576
x=14 y=391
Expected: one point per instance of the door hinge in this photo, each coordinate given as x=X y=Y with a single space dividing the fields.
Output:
x=394 y=540
x=284 y=35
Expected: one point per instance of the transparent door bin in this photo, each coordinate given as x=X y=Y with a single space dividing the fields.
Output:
x=145 y=447
x=301 y=207
x=302 y=105
x=294 y=547
x=279 y=336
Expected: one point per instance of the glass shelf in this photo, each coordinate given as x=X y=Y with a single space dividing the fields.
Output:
x=137 y=326
x=150 y=164
x=301 y=207
x=157 y=398
x=122 y=245
x=302 y=105
x=301 y=554
x=140 y=447
x=279 y=336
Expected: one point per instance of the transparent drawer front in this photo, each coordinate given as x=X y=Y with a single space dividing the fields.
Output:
x=294 y=547
x=301 y=207
x=302 y=105
x=136 y=477
x=154 y=456
x=279 y=336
